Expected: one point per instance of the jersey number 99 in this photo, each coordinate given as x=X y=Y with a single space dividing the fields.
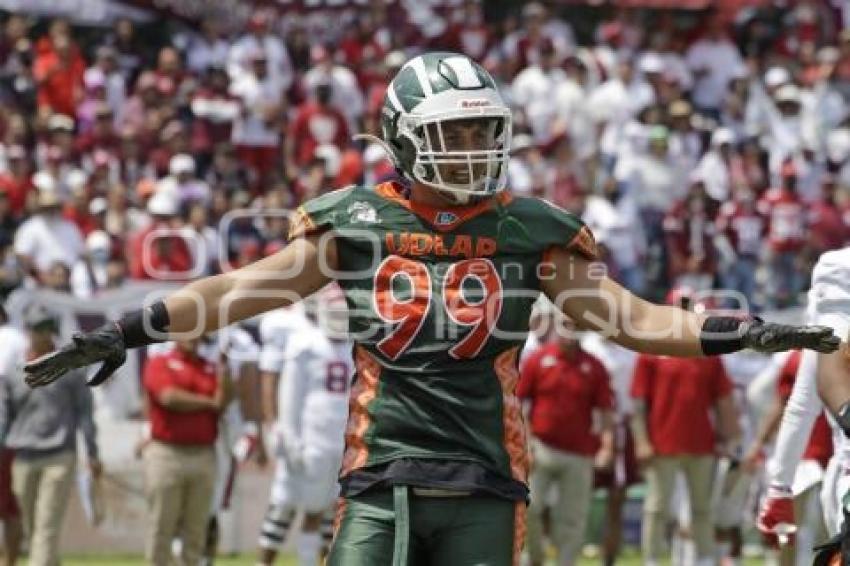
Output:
x=479 y=312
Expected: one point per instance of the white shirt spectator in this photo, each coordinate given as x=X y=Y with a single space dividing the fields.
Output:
x=46 y=239
x=653 y=182
x=205 y=52
x=613 y=104
x=715 y=175
x=618 y=226
x=573 y=114
x=346 y=95
x=532 y=90
x=256 y=95
x=720 y=59
x=280 y=65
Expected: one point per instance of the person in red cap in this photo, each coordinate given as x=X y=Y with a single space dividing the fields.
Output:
x=786 y=216
x=675 y=400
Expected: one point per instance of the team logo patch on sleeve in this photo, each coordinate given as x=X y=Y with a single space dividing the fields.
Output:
x=361 y=211
x=445 y=218
x=300 y=224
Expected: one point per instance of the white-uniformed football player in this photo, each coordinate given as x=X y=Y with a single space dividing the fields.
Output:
x=312 y=415
x=823 y=380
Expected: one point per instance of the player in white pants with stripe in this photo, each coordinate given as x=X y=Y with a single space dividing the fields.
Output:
x=312 y=415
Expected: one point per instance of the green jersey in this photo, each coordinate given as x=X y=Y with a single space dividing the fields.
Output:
x=439 y=303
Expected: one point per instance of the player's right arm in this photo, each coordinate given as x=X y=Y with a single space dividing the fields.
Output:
x=295 y=272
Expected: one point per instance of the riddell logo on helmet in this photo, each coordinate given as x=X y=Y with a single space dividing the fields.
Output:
x=473 y=103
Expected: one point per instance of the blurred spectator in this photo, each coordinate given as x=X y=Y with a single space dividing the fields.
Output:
x=689 y=229
x=825 y=224
x=41 y=427
x=208 y=49
x=715 y=167
x=186 y=395
x=346 y=95
x=58 y=71
x=243 y=238
x=89 y=275
x=713 y=60
x=677 y=402
x=532 y=90
x=316 y=122
x=562 y=379
x=256 y=131
x=46 y=237
x=202 y=238
x=182 y=181
x=57 y=278
x=214 y=110
x=132 y=50
x=15 y=183
x=741 y=229
x=260 y=39
x=158 y=251
x=786 y=216
x=115 y=82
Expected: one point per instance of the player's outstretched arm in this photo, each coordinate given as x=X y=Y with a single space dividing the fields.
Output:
x=202 y=306
x=583 y=291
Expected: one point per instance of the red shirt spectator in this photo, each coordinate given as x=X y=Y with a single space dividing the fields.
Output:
x=819 y=447
x=59 y=73
x=679 y=394
x=17 y=181
x=743 y=226
x=564 y=390
x=827 y=229
x=165 y=253
x=181 y=370
x=786 y=215
x=689 y=230
x=316 y=124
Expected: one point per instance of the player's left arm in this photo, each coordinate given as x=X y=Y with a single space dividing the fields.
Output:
x=583 y=291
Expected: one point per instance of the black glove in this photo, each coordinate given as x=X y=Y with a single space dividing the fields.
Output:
x=770 y=337
x=105 y=344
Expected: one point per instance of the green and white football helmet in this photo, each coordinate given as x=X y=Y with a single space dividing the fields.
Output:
x=430 y=91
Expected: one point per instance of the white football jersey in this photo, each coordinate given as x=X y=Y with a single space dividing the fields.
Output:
x=275 y=329
x=313 y=390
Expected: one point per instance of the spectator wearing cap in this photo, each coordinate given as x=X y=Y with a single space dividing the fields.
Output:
x=684 y=413
x=16 y=181
x=58 y=72
x=208 y=49
x=317 y=122
x=346 y=95
x=259 y=38
x=60 y=135
x=712 y=59
x=741 y=229
x=158 y=251
x=786 y=233
x=41 y=427
x=214 y=111
x=76 y=209
x=183 y=182
x=684 y=141
x=47 y=237
x=186 y=396
x=789 y=127
x=256 y=131
x=532 y=91
x=689 y=229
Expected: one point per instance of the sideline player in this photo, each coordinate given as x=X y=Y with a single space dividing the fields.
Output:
x=313 y=400
x=439 y=277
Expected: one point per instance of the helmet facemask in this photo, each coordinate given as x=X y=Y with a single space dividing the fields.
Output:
x=461 y=155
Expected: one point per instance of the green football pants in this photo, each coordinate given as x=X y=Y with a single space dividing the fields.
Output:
x=400 y=528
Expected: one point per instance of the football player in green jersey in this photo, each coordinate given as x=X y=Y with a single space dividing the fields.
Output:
x=440 y=275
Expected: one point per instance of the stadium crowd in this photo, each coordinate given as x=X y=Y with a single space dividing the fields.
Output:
x=707 y=151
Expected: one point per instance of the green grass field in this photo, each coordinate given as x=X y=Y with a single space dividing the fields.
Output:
x=289 y=560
